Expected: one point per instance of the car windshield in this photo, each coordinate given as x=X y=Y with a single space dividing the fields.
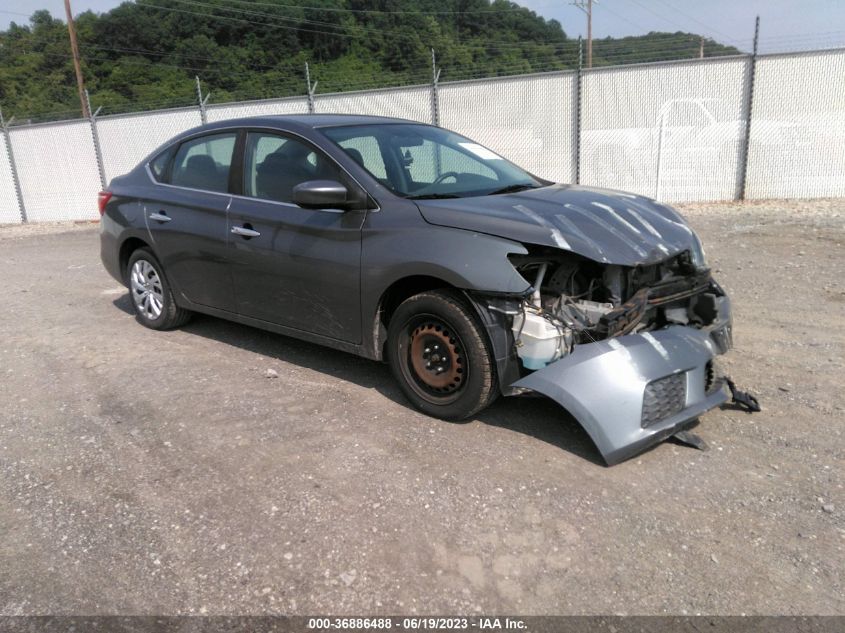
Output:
x=421 y=161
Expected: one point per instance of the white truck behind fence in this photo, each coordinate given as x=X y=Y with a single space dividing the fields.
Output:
x=676 y=131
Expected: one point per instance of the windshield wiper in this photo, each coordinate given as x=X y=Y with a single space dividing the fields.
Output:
x=432 y=196
x=522 y=186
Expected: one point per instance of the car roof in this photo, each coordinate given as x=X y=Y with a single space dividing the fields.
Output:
x=291 y=122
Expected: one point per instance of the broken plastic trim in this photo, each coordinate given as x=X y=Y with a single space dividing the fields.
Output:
x=742 y=399
x=688 y=438
x=495 y=312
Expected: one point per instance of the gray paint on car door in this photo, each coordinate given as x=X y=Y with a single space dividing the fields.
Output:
x=192 y=243
x=304 y=269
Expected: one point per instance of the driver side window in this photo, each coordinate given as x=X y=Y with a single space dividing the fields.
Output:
x=274 y=165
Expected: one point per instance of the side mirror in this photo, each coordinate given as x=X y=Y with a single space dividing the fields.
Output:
x=321 y=194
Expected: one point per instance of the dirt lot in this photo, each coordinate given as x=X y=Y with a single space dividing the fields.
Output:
x=147 y=472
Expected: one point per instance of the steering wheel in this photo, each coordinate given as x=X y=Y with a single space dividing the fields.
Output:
x=448 y=174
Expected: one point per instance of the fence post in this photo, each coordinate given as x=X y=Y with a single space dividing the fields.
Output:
x=311 y=89
x=11 y=155
x=202 y=102
x=577 y=140
x=435 y=98
x=659 y=153
x=97 y=150
x=749 y=104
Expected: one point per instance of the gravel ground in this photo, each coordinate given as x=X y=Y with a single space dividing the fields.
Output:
x=165 y=473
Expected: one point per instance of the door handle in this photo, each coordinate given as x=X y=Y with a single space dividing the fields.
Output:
x=160 y=216
x=244 y=231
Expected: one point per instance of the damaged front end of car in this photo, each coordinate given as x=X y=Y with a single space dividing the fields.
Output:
x=628 y=350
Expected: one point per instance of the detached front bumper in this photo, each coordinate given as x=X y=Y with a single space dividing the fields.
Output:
x=633 y=391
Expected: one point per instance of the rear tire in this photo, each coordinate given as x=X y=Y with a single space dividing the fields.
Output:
x=150 y=294
x=440 y=356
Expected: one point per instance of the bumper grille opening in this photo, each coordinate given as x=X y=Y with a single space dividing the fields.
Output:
x=663 y=398
x=710 y=378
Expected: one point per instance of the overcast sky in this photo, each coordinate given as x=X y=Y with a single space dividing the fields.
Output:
x=785 y=24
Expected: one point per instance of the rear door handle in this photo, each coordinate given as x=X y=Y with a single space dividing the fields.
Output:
x=244 y=231
x=160 y=216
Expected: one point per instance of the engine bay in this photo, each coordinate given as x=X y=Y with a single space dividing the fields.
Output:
x=576 y=301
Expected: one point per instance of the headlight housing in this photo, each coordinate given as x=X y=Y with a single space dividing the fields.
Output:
x=697 y=251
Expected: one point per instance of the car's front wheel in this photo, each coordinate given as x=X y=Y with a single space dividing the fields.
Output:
x=151 y=296
x=440 y=356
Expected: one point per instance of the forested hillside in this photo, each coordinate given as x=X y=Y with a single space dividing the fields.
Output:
x=146 y=54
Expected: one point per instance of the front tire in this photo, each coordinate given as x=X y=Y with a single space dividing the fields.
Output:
x=152 y=299
x=440 y=356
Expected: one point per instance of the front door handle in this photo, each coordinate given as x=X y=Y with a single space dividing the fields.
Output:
x=244 y=231
x=160 y=216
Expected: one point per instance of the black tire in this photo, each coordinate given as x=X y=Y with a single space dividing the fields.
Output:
x=170 y=315
x=440 y=356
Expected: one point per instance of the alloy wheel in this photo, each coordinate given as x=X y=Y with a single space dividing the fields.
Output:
x=147 y=293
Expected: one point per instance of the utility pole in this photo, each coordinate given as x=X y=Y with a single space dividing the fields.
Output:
x=701 y=48
x=74 y=48
x=587 y=7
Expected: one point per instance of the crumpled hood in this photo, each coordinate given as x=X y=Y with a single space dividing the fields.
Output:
x=606 y=226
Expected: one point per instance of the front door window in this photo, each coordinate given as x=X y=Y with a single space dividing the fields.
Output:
x=274 y=165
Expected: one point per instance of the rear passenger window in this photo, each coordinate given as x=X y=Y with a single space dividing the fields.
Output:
x=158 y=165
x=203 y=163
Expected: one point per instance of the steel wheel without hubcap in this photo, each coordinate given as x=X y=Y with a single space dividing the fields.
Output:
x=147 y=292
x=440 y=355
x=435 y=364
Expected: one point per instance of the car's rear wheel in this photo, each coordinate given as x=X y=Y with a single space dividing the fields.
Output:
x=152 y=299
x=440 y=356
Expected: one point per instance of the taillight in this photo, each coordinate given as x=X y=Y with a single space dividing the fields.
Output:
x=102 y=200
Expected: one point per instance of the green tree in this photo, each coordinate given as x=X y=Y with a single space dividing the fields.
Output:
x=146 y=53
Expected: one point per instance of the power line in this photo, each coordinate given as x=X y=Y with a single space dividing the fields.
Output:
x=26 y=15
x=237 y=20
x=381 y=32
x=131 y=62
x=608 y=52
x=694 y=19
x=684 y=27
x=488 y=45
x=559 y=54
x=624 y=18
x=665 y=41
x=558 y=51
x=382 y=11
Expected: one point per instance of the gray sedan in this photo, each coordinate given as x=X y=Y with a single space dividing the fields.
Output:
x=411 y=244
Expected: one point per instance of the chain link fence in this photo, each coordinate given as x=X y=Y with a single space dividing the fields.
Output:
x=797 y=143
x=254 y=108
x=676 y=131
x=57 y=168
x=126 y=139
x=9 y=209
x=530 y=120
x=671 y=131
x=405 y=103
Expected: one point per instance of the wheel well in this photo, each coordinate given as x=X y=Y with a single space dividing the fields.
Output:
x=126 y=249
x=395 y=294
